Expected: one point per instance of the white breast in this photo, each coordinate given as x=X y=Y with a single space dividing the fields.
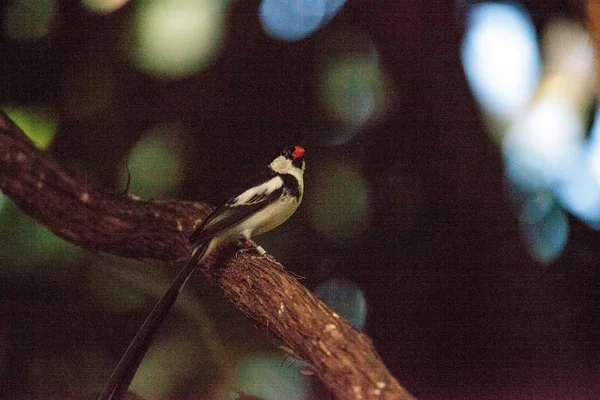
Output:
x=266 y=219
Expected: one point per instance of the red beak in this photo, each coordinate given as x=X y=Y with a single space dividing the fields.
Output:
x=298 y=152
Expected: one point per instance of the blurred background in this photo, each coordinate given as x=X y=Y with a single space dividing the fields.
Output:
x=452 y=200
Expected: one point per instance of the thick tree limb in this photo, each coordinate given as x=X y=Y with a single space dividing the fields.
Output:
x=341 y=356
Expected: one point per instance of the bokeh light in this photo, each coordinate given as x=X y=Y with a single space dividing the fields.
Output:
x=162 y=367
x=545 y=149
x=28 y=20
x=542 y=221
x=539 y=121
x=567 y=46
x=297 y=19
x=155 y=164
x=345 y=298
x=352 y=87
x=572 y=74
x=500 y=57
x=540 y=143
x=339 y=202
x=103 y=6
x=579 y=193
x=593 y=146
x=177 y=38
x=269 y=377
x=29 y=245
x=546 y=236
x=38 y=125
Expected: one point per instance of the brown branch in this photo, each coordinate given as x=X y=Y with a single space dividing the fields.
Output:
x=341 y=356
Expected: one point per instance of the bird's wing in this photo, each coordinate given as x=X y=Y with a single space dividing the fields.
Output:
x=238 y=208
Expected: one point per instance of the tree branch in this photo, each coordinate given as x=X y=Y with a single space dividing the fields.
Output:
x=342 y=357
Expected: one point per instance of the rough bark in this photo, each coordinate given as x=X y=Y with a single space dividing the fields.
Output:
x=342 y=357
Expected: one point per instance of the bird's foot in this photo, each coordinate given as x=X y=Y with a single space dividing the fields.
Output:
x=248 y=245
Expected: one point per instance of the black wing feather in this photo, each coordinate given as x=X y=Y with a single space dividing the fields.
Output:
x=227 y=215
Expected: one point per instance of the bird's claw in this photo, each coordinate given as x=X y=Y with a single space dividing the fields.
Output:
x=265 y=255
x=240 y=251
x=248 y=245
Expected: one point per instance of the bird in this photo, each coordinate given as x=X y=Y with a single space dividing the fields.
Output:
x=268 y=202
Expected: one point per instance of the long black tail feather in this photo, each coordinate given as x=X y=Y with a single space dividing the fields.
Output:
x=121 y=378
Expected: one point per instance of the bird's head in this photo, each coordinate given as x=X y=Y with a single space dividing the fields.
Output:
x=290 y=160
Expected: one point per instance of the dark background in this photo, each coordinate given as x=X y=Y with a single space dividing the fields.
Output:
x=457 y=307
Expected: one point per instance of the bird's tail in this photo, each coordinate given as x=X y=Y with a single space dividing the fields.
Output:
x=117 y=385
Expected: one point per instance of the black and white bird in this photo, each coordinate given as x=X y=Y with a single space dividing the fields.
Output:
x=267 y=204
